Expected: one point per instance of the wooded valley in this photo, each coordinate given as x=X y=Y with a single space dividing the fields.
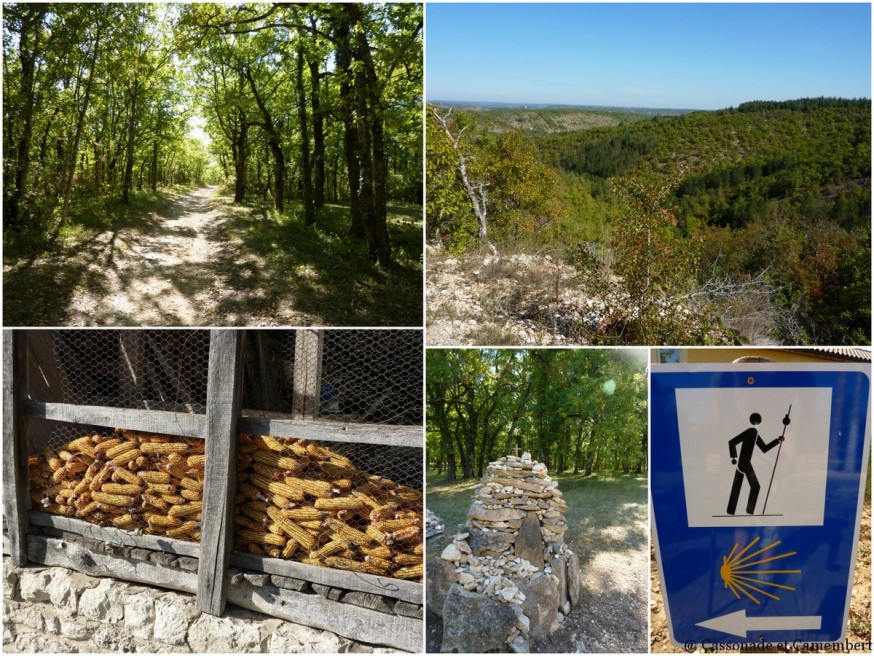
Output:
x=746 y=224
x=311 y=114
x=576 y=410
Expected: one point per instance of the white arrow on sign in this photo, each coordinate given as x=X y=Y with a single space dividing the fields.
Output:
x=739 y=624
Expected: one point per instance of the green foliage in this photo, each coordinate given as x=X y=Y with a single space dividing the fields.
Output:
x=580 y=410
x=778 y=193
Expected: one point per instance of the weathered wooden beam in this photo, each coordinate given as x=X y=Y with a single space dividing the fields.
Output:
x=347 y=620
x=55 y=552
x=333 y=431
x=223 y=398
x=114 y=535
x=337 y=578
x=152 y=421
x=308 y=347
x=16 y=497
x=350 y=621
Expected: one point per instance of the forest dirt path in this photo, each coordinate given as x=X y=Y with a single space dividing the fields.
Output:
x=173 y=273
x=196 y=259
x=162 y=277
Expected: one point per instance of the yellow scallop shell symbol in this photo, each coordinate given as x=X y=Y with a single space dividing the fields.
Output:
x=739 y=576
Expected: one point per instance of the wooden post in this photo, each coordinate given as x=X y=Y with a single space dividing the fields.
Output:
x=16 y=497
x=308 y=346
x=223 y=398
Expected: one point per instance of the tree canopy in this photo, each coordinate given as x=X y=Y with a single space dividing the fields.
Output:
x=578 y=410
x=313 y=103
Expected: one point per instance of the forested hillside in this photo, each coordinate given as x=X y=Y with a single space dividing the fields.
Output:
x=757 y=218
x=309 y=113
x=576 y=410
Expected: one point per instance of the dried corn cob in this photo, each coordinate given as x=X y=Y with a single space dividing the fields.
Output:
x=313 y=488
x=121 y=488
x=106 y=445
x=390 y=525
x=188 y=509
x=333 y=547
x=347 y=532
x=275 y=487
x=339 y=503
x=181 y=531
x=303 y=513
x=191 y=484
x=162 y=521
x=379 y=562
x=196 y=462
x=156 y=502
x=412 y=572
x=120 y=448
x=273 y=459
x=407 y=534
x=353 y=565
x=153 y=476
x=120 y=474
x=123 y=521
x=408 y=559
x=162 y=448
x=299 y=534
x=378 y=551
x=262 y=538
x=126 y=457
x=289 y=548
x=191 y=495
x=112 y=499
x=161 y=488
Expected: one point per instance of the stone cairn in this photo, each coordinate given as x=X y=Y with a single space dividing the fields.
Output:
x=508 y=578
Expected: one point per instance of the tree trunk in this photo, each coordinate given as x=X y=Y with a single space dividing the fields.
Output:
x=153 y=169
x=306 y=174
x=350 y=132
x=451 y=473
x=368 y=86
x=590 y=459
x=275 y=146
x=318 y=137
x=131 y=137
x=240 y=148
x=30 y=31
x=71 y=157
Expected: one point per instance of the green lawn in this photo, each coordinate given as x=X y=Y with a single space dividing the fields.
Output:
x=605 y=510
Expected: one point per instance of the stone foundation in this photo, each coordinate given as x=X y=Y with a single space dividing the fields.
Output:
x=56 y=610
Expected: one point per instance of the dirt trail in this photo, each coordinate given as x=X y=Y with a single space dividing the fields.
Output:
x=175 y=273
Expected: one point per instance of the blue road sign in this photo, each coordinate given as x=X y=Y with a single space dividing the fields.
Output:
x=757 y=483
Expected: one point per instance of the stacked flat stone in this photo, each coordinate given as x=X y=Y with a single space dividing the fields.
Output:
x=433 y=524
x=508 y=577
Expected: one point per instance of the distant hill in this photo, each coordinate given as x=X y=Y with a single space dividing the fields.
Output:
x=537 y=120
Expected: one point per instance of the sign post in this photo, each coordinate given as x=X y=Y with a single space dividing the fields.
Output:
x=737 y=566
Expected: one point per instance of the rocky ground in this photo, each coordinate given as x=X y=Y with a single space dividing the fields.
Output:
x=55 y=610
x=512 y=299
x=859 y=629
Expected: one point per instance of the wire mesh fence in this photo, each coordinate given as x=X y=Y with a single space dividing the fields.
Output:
x=359 y=376
x=157 y=369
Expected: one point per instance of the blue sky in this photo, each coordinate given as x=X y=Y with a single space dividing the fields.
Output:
x=692 y=56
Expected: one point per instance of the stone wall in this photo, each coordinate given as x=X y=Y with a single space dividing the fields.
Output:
x=53 y=609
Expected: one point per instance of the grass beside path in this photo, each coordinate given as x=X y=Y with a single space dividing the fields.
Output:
x=322 y=270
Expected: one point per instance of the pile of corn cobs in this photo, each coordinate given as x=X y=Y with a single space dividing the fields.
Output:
x=129 y=479
x=300 y=500
x=295 y=499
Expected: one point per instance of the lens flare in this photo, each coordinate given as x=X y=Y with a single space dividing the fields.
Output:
x=738 y=576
